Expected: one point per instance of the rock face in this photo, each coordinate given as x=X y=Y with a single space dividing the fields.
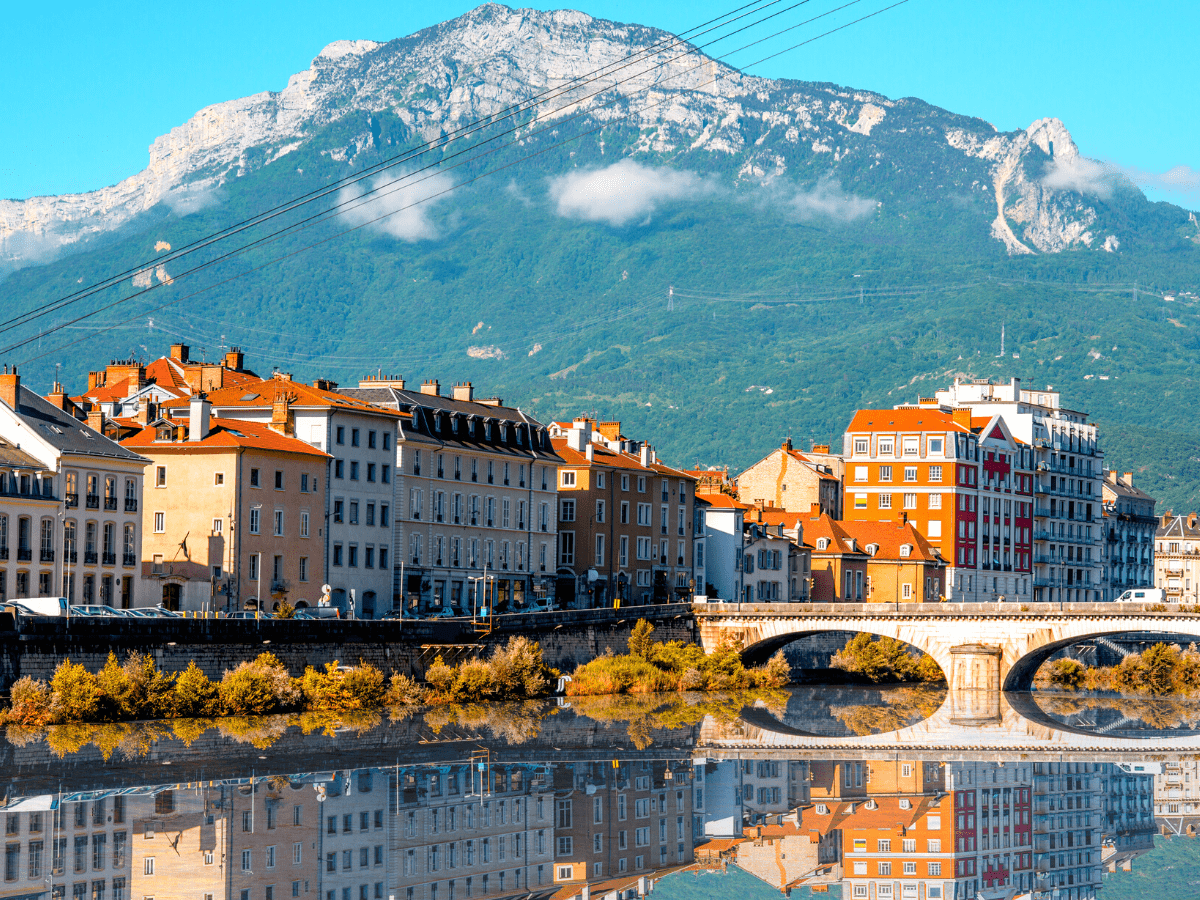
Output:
x=492 y=57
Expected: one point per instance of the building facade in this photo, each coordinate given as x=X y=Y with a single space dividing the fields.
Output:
x=70 y=521
x=1068 y=465
x=625 y=520
x=475 y=499
x=1177 y=557
x=1127 y=550
x=234 y=515
x=872 y=562
x=789 y=479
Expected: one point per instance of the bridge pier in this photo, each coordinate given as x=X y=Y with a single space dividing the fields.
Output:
x=974 y=681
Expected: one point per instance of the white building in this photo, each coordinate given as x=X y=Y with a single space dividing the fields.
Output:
x=62 y=485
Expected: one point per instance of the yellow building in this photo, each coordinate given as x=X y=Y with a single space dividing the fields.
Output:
x=234 y=511
x=788 y=479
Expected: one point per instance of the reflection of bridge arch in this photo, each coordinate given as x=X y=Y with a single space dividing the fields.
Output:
x=978 y=646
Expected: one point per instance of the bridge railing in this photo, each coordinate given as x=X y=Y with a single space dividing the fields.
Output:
x=940 y=610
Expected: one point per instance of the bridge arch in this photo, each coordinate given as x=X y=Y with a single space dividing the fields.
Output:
x=1021 y=672
x=759 y=652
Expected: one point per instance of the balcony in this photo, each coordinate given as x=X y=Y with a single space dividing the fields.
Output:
x=129 y=560
x=1041 y=535
x=110 y=503
x=1041 y=512
x=278 y=585
x=110 y=559
x=24 y=554
x=131 y=504
x=47 y=556
x=93 y=501
x=71 y=498
x=89 y=557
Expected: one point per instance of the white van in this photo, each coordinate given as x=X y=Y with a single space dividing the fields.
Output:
x=41 y=606
x=1142 y=595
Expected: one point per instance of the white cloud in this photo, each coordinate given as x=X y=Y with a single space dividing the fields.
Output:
x=624 y=191
x=1181 y=180
x=1082 y=175
x=827 y=200
x=398 y=205
x=186 y=200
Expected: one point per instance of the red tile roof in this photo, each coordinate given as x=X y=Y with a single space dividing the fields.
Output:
x=724 y=501
x=224 y=433
x=261 y=392
x=889 y=536
x=903 y=420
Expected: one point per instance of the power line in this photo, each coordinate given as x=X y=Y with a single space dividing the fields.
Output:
x=468 y=181
x=458 y=134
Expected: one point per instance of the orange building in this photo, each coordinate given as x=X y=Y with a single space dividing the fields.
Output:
x=872 y=562
x=964 y=482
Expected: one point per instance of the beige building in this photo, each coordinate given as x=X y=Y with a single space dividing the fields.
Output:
x=1129 y=523
x=234 y=512
x=1177 y=557
x=788 y=479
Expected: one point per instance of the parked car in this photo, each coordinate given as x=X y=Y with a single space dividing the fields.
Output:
x=1142 y=595
x=444 y=613
x=542 y=606
x=96 y=610
x=399 y=614
x=41 y=606
x=152 y=612
x=248 y=614
x=318 y=612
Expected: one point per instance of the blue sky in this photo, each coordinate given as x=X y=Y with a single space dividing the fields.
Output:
x=87 y=86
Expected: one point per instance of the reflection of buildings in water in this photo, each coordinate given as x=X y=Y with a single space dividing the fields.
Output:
x=1127 y=792
x=179 y=843
x=78 y=849
x=993 y=843
x=730 y=794
x=1177 y=797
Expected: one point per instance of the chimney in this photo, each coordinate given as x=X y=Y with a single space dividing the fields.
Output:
x=962 y=416
x=324 y=384
x=281 y=414
x=610 y=430
x=179 y=353
x=1191 y=521
x=281 y=376
x=234 y=359
x=1128 y=479
x=10 y=387
x=645 y=455
x=147 y=410
x=95 y=420
x=199 y=412
x=820 y=448
x=433 y=388
x=58 y=397
x=463 y=391
x=579 y=438
x=814 y=511
x=787 y=445
x=590 y=451
x=97 y=379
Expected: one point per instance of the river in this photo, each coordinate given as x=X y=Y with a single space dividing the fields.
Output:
x=845 y=792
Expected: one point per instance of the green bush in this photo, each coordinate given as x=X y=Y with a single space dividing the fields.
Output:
x=641 y=644
x=1066 y=673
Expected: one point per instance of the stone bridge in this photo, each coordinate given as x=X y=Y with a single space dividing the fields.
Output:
x=980 y=646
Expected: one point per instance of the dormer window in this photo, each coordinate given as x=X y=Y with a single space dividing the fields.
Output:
x=905 y=550
x=822 y=809
x=164 y=433
x=871 y=804
x=822 y=543
x=872 y=549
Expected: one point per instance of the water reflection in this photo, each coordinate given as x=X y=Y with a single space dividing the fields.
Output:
x=594 y=800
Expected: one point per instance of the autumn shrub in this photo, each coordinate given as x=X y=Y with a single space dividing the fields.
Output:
x=440 y=677
x=134 y=689
x=641 y=644
x=196 y=695
x=777 y=672
x=258 y=688
x=473 y=680
x=1066 y=673
x=29 y=704
x=518 y=670
x=285 y=611
x=339 y=687
x=403 y=690
x=74 y=694
x=885 y=660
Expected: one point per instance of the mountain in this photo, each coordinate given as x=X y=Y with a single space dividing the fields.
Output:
x=718 y=259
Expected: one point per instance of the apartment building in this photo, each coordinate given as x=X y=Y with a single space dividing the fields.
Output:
x=1129 y=526
x=234 y=516
x=474 y=831
x=1177 y=557
x=352 y=848
x=475 y=498
x=993 y=835
x=356 y=528
x=626 y=522
x=610 y=821
x=179 y=844
x=74 y=845
x=1068 y=817
x=789 y=479
x=965 y=482
x=1067 y=463
x=63 y=483
x=873 y=562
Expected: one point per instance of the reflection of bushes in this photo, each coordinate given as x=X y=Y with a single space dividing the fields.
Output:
x=651 y=667
x=644 y=714
x=1158 y=670
x=1159 y=713
x=885 y=660
x=897 y=708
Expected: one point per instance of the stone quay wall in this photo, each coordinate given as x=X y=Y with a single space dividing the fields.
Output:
x=568 y=638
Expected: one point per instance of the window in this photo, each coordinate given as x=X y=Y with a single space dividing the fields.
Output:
x=303 y=568
x=160 y=477
x=935 y=869
x=910 y=501
x=910 y=473
x=254 y=478
x=567 y=512
x=353 y=437
x=148 y=864
x=935 y=472
x=219 y=478
x=339 y=468
x=860 y=501
x=354 y=470
x=566 y=540
x=278 y=480
x=935 y=446
x=935 y=502
x=255 y=515
x=160 y=522
x=340 y=434
x=568 y=478
x=278 y=523
x=304 y=524
x=885 y=501
x=885 y=473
